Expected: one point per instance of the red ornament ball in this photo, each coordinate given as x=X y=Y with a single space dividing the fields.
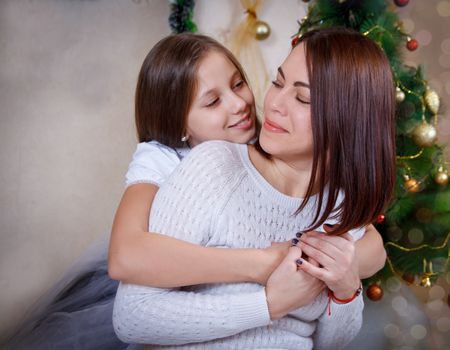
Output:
x=408 y=278
x=295 y=41
x=374 y=292
x=401 y=3
x=412 y=44
x=381 y=218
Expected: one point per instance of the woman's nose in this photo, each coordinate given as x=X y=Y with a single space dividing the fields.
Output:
x=277 y=102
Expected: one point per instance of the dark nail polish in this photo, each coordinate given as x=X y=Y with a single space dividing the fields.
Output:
x=298 y=234
x=294 y=241
x=299 y=261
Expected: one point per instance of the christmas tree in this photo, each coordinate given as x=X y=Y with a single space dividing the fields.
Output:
x=416 y=226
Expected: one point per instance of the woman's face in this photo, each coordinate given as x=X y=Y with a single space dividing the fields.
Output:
x=286 y=131
x=223 y=107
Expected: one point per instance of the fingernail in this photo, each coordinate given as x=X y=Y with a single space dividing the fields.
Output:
x=298 y=234
x=299 y=261
x=294 y=241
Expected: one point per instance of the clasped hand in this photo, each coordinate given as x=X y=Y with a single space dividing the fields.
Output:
x=330 y=262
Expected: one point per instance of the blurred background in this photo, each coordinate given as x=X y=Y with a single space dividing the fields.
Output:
x=68 y=70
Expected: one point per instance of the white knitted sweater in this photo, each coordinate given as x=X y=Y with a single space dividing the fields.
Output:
x=217 y=198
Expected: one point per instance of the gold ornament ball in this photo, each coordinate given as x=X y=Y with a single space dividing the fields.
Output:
x=399 y=95
x=262 y=30
x=432 y=100
x=424 y=135
x=374 y=292
x=412 y=185
x=425 y=282
x=441 y=178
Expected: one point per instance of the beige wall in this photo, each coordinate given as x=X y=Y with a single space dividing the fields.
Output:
x=67 y=71
x=67 y=75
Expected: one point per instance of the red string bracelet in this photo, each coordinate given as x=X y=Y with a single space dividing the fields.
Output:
x=342 y=301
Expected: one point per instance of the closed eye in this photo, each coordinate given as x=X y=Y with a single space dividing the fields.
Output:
x=277 y=84
x=238 y=84
x=212 y=103
x=302 y=101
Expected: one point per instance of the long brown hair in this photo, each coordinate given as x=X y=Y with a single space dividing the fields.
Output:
x=353 y=125
x=167 y=84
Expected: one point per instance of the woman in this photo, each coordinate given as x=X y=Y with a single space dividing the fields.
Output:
x=325 y=156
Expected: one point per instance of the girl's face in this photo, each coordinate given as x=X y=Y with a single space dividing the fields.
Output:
x=223 y=107
x=286 y=131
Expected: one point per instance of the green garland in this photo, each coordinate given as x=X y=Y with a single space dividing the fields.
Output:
x=180 y=19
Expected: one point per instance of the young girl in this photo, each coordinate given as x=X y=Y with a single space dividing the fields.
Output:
x=175 y=82
x=324 y=157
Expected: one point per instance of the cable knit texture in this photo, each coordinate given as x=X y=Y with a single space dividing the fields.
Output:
x=217 y=198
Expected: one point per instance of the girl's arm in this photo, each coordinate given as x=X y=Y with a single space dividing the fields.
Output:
x=149 y=315
x=370 y=253
x=139 y=257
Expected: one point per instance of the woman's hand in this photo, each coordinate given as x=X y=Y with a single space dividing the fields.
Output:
x=288 y=288
x=338 y=264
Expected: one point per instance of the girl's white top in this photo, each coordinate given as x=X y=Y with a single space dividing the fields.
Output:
x=216 y=198
x=153 y=162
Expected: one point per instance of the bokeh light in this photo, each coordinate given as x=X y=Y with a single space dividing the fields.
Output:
x=391 y=330
x=424 y=215
x=435 y=305
x=443 y=8
x=418 y=331
x=436 y=85
x=394 y=233
x=443 y=324
x=400 y=305
x=393 y=284
x=445 y=46
x=447 y=87
x=415 y=236
x=424 y=37
x=408 y=25
x=436 y=292
x=444 y=60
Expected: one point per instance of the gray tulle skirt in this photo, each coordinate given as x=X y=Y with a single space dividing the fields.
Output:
x=77 y=312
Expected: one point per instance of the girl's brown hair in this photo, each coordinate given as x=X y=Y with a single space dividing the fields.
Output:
x=167 y=84
x=353 y=125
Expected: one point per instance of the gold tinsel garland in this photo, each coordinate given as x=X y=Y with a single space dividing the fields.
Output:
x=428 y=273
x=244 y=45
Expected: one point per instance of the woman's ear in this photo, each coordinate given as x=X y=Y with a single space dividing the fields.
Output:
x=329 y=228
